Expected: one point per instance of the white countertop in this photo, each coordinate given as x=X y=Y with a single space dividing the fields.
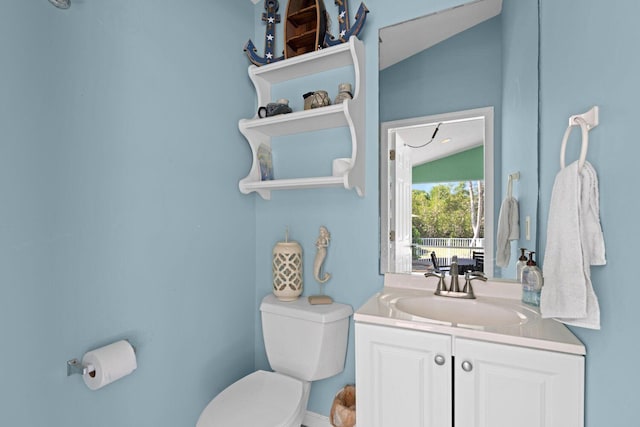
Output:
x=544 y=334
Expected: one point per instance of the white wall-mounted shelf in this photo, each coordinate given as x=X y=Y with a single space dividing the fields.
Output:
x=329 y=117
x=348 y=173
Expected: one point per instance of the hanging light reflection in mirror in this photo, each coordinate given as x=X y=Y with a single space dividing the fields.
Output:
x=435 y=132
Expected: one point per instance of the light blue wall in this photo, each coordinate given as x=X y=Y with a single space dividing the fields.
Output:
x=590 y=57
x=120 y=215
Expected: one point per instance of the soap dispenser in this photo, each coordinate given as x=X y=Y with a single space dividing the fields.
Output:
x=532 y=282
x=521 y=264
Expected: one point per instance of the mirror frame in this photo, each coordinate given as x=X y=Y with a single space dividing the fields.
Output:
x=386 y=181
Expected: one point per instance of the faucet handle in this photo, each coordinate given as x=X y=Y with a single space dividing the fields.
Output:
x=468 y=277
x=435 y=273
x=471 y=275
x=440 y=275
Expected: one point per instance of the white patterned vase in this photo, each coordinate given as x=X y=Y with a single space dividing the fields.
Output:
x=287 y=270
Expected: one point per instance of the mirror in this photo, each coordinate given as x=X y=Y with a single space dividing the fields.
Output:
x=466 y=76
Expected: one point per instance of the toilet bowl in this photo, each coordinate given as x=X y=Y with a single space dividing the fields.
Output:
x=304 y=343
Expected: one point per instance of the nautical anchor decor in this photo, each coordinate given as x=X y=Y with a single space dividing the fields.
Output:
x=271 y=17
x=346 y=30
x=304 y=17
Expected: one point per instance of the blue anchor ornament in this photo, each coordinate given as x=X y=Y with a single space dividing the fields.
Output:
x=346 y=30
x=271 y=17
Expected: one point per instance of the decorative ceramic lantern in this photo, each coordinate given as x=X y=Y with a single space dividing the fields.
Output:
x=287 y=270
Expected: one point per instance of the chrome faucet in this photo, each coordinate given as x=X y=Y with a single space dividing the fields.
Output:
x=453 y=272
x=454 y=288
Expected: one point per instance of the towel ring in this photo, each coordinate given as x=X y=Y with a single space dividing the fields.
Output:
x=584 y=126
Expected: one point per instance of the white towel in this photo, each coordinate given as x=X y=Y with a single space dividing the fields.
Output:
x=508 y=230
x=574 y=243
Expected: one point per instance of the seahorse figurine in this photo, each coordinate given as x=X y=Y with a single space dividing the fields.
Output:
x=321 y=243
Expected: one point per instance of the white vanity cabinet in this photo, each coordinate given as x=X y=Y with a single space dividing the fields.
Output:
x=403 y=378
x=348 y=172
x=413 y=378
x=501 y=385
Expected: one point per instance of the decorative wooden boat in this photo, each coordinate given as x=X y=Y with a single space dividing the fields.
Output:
x=305 y=27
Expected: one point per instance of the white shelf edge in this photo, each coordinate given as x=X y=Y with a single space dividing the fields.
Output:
x=329 y=117
x=293 y=183
x=304 y=65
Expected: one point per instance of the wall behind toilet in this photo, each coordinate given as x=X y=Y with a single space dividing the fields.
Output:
x=587 y=58
x=119 y=210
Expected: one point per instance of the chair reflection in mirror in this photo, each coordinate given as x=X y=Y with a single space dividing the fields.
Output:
x=478 y=257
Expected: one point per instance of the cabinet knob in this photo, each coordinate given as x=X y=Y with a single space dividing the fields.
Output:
x=467 y=366
x=440 y=360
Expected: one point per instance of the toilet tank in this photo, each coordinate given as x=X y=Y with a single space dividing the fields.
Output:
x=305 y=341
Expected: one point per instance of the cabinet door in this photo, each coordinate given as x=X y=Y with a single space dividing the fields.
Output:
x=503 y=386
x=403 y=378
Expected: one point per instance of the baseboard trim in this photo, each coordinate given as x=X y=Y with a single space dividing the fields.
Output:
x=311 y=419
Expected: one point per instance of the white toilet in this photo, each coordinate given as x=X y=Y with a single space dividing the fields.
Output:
x=304 y=343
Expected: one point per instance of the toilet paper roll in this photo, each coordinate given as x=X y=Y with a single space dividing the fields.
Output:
x=108 y=364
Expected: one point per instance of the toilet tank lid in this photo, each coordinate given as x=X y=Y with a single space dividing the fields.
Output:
x=301 y=309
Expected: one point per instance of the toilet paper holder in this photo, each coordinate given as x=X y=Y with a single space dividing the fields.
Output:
x=74 y=366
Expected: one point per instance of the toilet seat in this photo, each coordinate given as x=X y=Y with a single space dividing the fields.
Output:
x=261 y=399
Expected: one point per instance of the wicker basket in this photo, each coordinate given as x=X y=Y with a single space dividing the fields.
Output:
x=343 y=410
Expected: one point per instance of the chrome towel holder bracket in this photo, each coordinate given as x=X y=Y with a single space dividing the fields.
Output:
x=586 y=121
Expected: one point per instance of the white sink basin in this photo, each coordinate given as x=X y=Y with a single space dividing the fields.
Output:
x=464 y=313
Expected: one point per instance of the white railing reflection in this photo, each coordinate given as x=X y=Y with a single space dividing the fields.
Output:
x=445 y=248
